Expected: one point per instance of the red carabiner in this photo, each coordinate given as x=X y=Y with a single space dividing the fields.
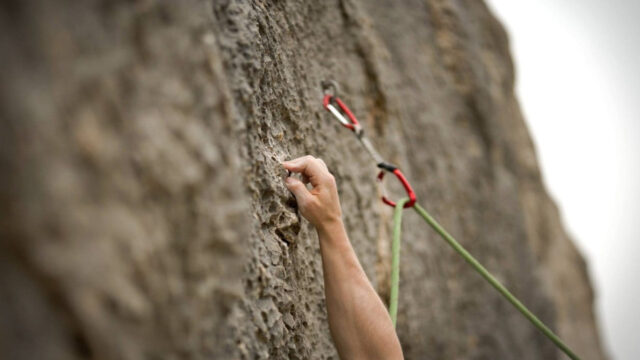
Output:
x=352 y=123
x=407 y=188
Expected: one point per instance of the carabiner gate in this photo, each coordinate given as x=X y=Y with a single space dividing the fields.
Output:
x=405 y=184
x=328 y=103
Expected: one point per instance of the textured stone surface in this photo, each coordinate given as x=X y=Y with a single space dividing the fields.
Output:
x=143 y=213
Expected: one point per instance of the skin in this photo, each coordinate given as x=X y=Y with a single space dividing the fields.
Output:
x=358 y=320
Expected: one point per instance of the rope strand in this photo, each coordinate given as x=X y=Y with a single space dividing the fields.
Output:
x=395 y=259
x=493 y=281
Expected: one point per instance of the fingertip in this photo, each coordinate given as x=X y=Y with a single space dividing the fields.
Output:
x=291 y=166
x=291 y=182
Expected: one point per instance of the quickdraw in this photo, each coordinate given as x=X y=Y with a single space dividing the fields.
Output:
x=332 y=103
x=335 y=106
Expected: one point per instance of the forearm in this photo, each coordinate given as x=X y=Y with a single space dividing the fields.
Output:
x=360 y=325
x=358 y=320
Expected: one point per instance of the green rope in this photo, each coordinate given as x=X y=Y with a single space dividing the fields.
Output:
x=395 y=260
x=494 y=282
x=395 y=270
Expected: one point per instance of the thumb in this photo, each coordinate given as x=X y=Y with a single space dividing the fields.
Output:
x=298 y=189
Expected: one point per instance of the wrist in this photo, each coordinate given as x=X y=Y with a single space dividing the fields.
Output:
x=331 y=228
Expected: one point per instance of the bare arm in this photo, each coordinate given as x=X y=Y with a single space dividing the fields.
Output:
x=360 y=325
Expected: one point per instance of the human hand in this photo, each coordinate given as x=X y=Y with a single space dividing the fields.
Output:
x=320 y=205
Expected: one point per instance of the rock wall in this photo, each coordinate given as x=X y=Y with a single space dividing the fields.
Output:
x=142 y=209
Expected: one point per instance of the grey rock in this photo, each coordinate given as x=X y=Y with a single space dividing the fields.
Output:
x=143 y=213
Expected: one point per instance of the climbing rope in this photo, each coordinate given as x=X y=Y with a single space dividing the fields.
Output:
x=395 y=259
x=333 y=104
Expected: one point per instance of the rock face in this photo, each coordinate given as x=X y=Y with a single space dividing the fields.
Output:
x=142 y=209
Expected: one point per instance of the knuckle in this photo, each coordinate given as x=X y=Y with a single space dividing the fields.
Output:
x=321 y=165
x=329 y=180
